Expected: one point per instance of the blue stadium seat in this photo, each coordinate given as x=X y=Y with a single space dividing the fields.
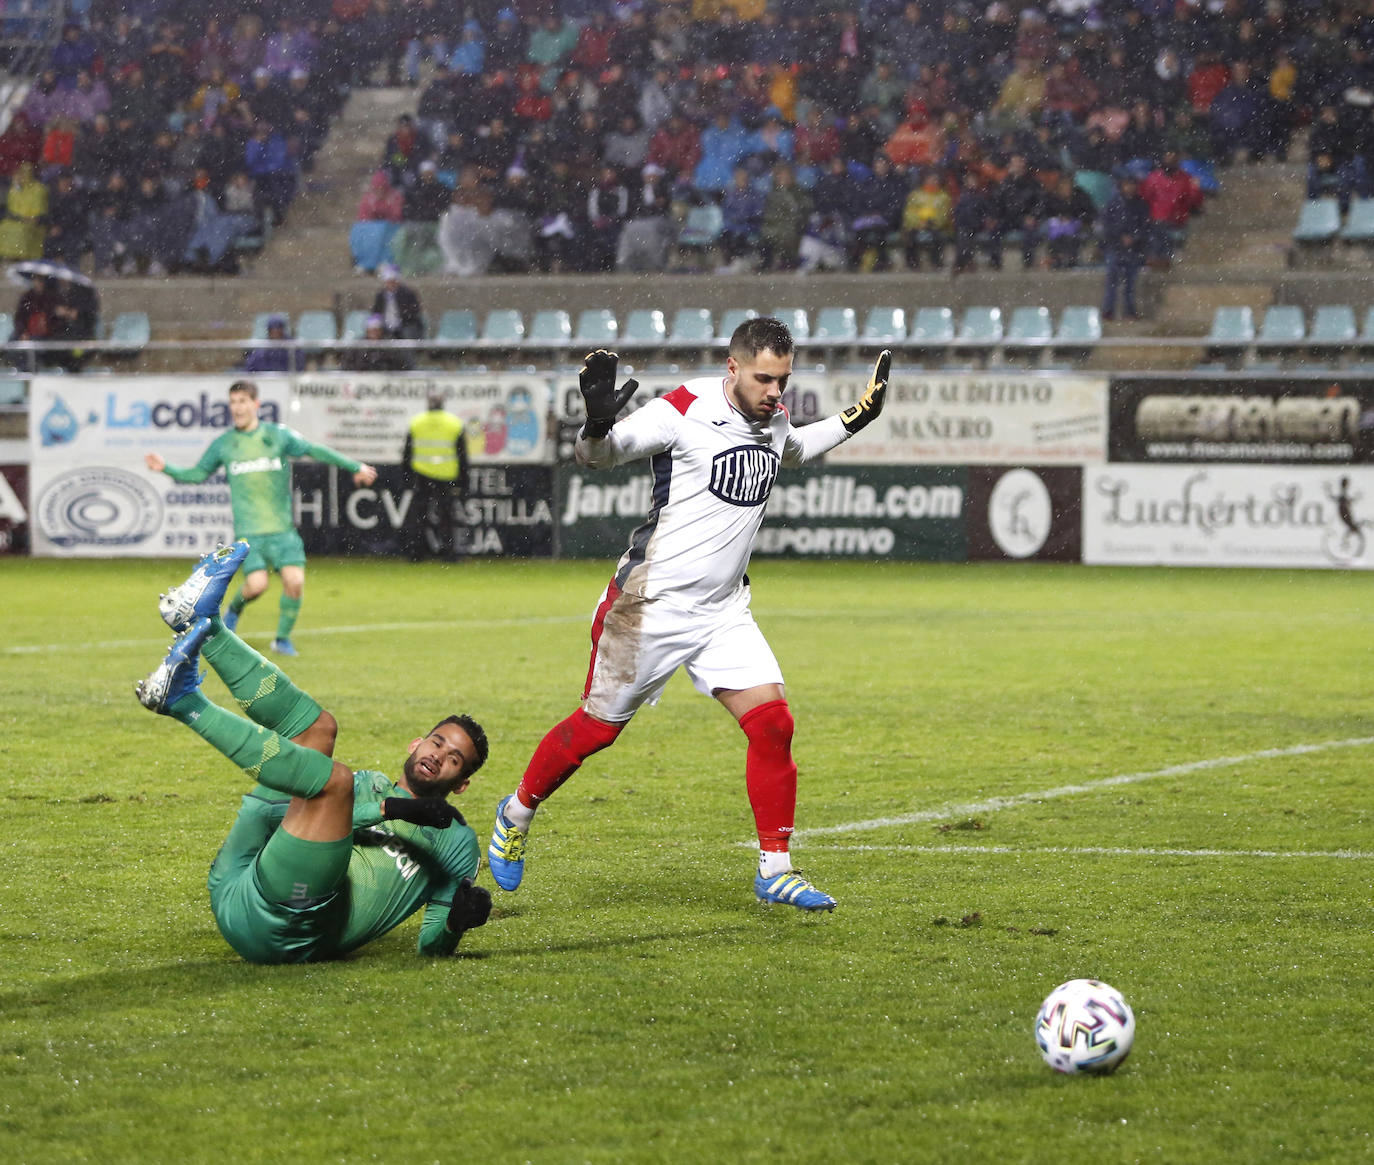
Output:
x=457 y=326
x=1319 y=221
x=132 y=330
x=797 y=321
x=1333 y=328
x=13 y=392
x=597 y=327
x=354 y=325
x=503 y=328
x=1359 y=222
x=932 y=328
x=692 y=328
x=885 y=326
x=730 y=320
x=1080 y=328
x=835 y=325
x=318 y=326
x=644 y=329
x=1233 y=328
x=550 y=327
x=1284 y=327
x=980 y=330
x=1030 y=330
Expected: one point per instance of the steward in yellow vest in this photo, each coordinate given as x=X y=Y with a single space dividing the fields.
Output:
x=436 y=457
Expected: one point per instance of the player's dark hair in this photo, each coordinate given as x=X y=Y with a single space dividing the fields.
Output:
x=475 y=734
x=760 y=334
x=245 y=386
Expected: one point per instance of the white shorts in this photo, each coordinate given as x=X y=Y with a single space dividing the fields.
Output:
x=638 y=643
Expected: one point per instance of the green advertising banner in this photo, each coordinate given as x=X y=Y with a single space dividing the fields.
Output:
x=852 y=511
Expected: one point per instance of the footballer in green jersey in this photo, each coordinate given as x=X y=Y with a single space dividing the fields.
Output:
x=321 y=859
x=255 y=456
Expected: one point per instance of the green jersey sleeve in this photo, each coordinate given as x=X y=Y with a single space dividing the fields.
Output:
x=211 y=460
x=299 y=446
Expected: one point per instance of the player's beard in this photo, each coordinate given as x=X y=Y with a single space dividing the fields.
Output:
x=421 y=784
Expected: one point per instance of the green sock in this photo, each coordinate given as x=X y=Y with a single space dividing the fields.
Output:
x=261 y=689
x=238 y=602
x=290 y=609
x=265 y=756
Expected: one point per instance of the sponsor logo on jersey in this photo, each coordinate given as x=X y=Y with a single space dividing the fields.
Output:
x=744 y=475
x=256 y=465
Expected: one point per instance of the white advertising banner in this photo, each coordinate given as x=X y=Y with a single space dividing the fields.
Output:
x=365 y=416
x=1228 y=515
x=93 y=496
x=999 y=417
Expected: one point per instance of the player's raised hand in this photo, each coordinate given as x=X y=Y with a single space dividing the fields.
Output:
x=155 y=462
x=597 y=382
x=366 y=475
x=471 y=907
x=856 y=416
x=432 y=811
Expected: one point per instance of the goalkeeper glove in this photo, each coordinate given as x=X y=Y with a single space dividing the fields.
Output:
x=471 y=907
x=432 y=811
x=856 y=416
x=597 y=382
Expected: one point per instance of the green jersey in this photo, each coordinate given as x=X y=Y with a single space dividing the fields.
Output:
x=259 y=471
x=394 y=869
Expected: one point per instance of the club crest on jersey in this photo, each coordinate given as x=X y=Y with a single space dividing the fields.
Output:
x=744 y=475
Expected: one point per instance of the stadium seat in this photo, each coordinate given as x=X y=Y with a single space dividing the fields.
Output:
x=1098 y=184
x=1365 y=342
x=503 y=328
x=980 y=331
x=457 y=326
x=730 y=320
x=1080 y=328
x=6 y=327
x=1319 y=221
x=932 y=328
x=317 y=326
x=550 y=327
x=13 y=392
x=597 y=327
x=1333 y=329
x=1232 y=334
x=885 y=326
x=797 y=321
x=835 y=325
x=132 y=330
x=1283 y=329
x=691 y=328
x=1029 y=331
x=355 y=325
x=260 y=323
x=1359 y=222
x=644 y=329
x=701 y=231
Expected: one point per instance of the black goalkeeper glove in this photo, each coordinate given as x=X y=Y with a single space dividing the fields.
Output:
x=856 y=416
x=432 y=811
x=597 y=382
x=471 y=907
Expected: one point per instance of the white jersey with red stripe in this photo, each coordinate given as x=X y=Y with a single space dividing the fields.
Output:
x=713 y=470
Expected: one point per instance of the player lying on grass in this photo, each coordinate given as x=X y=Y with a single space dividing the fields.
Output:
x=320 y=859
x=680 y=597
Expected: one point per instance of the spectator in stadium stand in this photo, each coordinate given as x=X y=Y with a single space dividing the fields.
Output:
x=722 y=146
x=786 y=210
x=643 y=244
x=772 y=141
x=426 y=201
x=494 y=151
x=878 y=205
x=684 y=601
x=376 y=355
x=626 y=147
x=213 y=230
x=918 y=141
x=21 y=142
x=818 y=136
x=274 y=357
x=506 y=44
x=405 y=149
x=469 y=55
x=112 y=210
x=59 y=146
x=1173 y=197
x=398 y=305
x=928 y=221
x=268 y=162
x=67 y=236
x=1208 y=77
x=306 y=830
x=560 y=229
x=741 y=211
x=1242 y=117
x=676 y=147
x=1068 y=223
x=1020 y=207
x=608 y=210
x=26 y=209
x=975 y=223
x=532 y=104
x=1022 y=95
x=657 y=98
x=1331 y=166
x=33 y=314
x=1142 y=141
x=1126 y=230
x=552 y=43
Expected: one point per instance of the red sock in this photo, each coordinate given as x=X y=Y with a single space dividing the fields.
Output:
x=564 y=748
x=770 y=773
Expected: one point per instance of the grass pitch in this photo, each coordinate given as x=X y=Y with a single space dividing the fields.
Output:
x=1010 y=776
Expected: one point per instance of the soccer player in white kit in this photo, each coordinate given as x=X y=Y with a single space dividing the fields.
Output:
x=680 y=596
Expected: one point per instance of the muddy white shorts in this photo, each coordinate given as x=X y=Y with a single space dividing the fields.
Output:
x=638 y=643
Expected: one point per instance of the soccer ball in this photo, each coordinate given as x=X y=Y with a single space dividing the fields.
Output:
x=1085 y=1026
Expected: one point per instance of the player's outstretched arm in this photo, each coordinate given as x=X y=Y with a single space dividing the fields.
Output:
x=867 y=408
x=603 y=401
x=365 y=475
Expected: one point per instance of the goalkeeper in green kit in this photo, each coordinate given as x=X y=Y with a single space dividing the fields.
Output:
x=255 y=457
x=320 y=859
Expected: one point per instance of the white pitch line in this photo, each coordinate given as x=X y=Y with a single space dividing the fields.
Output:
x=992 y=804
x=1105 y=850
x=356 y=629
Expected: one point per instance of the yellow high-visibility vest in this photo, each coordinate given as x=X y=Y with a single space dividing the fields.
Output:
x=434 y=444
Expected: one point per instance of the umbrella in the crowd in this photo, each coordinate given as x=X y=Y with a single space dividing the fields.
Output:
x=24 y=271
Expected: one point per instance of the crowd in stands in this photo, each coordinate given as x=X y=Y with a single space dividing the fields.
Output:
x=162 y=137
x=875 y=135
x=580 y=135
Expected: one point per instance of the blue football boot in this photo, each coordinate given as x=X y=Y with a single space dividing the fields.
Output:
x=178 y=674
x=201 y=595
